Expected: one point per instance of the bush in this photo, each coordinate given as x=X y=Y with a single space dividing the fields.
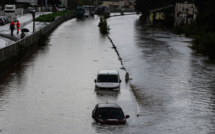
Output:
x=204 y=41
x=205 y=44
x=103 y=26
x=51 y=17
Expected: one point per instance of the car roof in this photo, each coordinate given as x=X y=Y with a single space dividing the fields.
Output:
x=108 y=105
x=108 y=72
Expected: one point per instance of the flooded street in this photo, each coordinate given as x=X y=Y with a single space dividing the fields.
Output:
x=175 y=87
x=53 y=91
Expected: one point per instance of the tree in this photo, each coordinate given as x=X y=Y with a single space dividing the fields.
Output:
x=206 y=14
x=3 y=2
x=54 y=2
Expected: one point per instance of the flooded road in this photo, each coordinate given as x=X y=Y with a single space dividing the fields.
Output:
x=175 y=87
x=52 y=92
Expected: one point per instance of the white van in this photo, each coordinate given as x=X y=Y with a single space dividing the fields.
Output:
x=9 y=12
x=108 y=79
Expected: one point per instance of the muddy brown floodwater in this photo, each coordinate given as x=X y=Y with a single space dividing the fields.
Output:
x=52 y=92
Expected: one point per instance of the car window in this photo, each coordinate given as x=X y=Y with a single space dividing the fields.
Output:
x=107 y=78
x=110 y=113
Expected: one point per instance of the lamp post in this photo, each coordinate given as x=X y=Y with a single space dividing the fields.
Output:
x=33 y=15
x=46 y=4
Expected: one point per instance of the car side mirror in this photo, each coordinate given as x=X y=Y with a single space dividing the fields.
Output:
x=120 y=81
x=95 y=80
x=127 y=116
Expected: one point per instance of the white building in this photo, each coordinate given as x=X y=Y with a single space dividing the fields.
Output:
x=114 y=4
x=32 y=2
x=185 y=13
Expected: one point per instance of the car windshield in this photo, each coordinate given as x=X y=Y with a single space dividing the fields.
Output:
x=108 y=78
x=110 y=113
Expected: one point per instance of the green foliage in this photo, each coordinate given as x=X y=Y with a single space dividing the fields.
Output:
x=206 y=14
x=204 y=33
x=205 y=44
x=3 y=2
x=50 y=17
x=103 y=26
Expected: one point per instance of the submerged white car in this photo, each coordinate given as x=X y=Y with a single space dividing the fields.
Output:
x=107 y=79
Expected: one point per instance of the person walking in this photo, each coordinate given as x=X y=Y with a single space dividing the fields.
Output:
x=17 y=26
x=12 y=27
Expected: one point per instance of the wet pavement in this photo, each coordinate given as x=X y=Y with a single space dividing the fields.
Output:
x=25 y=22
x=52 y=92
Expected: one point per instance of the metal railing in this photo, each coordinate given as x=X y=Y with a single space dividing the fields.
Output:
x=11 y=51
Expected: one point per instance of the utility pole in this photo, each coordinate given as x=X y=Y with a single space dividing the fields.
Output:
x=42 y=5
x=96 y=4
x=33 y=15
x=46 y=4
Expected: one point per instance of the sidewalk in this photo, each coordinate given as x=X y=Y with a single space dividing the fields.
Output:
x=26 y=21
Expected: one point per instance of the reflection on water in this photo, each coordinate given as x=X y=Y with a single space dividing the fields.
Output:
x=107 y=93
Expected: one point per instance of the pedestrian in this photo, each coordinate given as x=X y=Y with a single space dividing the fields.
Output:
x=17 y=26
x=12 y=27
x=22 y=35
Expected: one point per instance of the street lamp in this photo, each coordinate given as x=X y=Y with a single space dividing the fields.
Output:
x=33 y=15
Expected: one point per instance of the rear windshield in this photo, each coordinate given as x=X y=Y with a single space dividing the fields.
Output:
x=110 y=113
x=108 y=78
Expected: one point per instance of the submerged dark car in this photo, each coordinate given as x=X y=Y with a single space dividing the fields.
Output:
x=109 y=114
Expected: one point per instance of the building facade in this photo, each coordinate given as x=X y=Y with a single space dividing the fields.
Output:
x=64 y=3
x=114 y=4
x=129 y=4
x=32 y=2
x=185 y=13
x=157 y=16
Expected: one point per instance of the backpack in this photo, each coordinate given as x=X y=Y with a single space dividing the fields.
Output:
x=12 y=26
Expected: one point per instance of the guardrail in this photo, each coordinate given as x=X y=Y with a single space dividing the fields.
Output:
x=12 y=50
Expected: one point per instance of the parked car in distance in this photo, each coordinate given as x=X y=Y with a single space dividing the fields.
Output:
x=5 y=19
x=31 y=9
x=107 y=79
x=2 y=22
x=109 y=114
x=55 y=9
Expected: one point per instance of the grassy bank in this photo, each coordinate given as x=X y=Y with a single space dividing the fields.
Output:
x=51 y=17
x=204 y=41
